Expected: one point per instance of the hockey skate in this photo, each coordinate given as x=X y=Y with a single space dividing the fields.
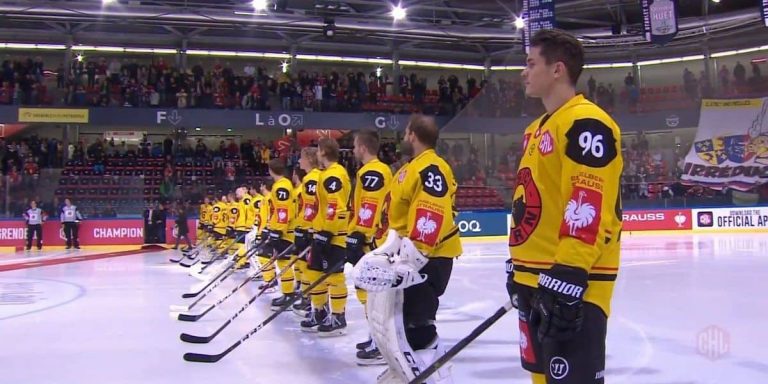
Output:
x=314 y=319
x=334 y=325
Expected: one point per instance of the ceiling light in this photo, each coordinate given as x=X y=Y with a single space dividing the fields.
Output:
x=519 y=23
x=398 y=12
x=105 y=2
x=259 y=5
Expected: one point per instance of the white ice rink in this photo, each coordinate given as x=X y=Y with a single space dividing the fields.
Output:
x=687 y=309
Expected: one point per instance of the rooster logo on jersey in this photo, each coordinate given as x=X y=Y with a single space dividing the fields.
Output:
x=427 y=226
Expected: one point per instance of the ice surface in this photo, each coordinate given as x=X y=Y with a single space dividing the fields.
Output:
x=688 y=308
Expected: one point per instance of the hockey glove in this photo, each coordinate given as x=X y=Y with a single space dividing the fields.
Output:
x=275 y=235
x=321 y=243
x=511 y=286
x=302 y=239
x=231 y=232
x=558 y=309
x=355 y=245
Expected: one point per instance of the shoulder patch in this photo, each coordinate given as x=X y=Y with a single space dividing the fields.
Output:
x=372 y=181
x=332 y=184
x=310 y=187
x=590 y=142
x=433 y=181
x=283 y=194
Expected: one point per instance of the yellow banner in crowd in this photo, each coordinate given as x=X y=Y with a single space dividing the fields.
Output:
x=52 y=115
x=744 y=103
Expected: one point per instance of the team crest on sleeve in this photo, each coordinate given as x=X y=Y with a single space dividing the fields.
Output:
x=310 y=212
x=526 y=208
x=582 y=215
x=426 y=228
x=282 y=216
x=330 y=212
x=365 y=215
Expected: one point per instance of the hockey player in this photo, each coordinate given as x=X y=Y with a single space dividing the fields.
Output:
x=566 y=221
x=70 y=219
x=328 y=247
x=423 y=242
x=205 y=219
x=34 y=217
x=242 y=223
x=266 y=210
x=280 y=228
x=307 y=213
x=219 y=220
x=371 y=187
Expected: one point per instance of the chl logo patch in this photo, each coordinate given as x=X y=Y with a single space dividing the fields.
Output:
x=558 y=368
x=546 y=144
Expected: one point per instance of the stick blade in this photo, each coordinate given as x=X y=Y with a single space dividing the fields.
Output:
x=187 y=338
x=189 y=295
x=202 y=358
x=187 y=317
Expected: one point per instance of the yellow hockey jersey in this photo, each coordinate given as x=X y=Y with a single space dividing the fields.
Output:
x=421 y=205
x=333 y=191
x=284 y=205
x=258 y=202
x=205 y=213
x=371 y=187
x=243 y=221
x=219 y=217
x=307 y=200
x=566 y=204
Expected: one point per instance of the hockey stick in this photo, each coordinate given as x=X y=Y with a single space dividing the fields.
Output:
x=191 y=251
x=205 y=358
x=227 y=267
x=223 y=253
x=198 y=272
x=248 y=279
x=200 y=340
x=451 y=353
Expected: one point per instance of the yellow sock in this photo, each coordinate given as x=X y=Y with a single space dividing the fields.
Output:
x=241 y=259
x=297 y=271
x=269 y=271
x=337 y=286
x=538 y=378
x=319 y=294
x=286 y=277
x=362 y=297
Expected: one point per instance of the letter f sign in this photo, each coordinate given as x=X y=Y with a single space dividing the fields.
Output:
x=161 y=115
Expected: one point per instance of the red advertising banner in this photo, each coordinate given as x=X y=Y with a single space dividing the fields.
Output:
x=652 y=220
x=90 y=232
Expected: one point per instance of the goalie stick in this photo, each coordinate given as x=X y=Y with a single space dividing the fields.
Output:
x=205 y=358
x=248 y=279
x=451 y=353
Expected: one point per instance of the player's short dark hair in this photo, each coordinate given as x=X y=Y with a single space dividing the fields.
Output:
x=425 y=129
x=369 y=139
x=330 y=148
x=277 y=167
x=556 y=45
x=300 y=173
x=268 y=184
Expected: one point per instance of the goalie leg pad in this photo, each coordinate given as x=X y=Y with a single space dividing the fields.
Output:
x=422 y=301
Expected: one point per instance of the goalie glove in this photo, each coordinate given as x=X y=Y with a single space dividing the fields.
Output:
x=393 y=265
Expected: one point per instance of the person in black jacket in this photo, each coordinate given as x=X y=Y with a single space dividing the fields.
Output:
x=182 y=230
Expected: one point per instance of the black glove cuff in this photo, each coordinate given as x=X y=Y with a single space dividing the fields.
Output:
x=565 y=282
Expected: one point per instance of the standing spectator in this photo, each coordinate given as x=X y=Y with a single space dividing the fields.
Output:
x=629 y=80
x=740 y=74
x=756 y=72
x=592 y=87
x=182 y=229
x=724 y=75
x=168 y=146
